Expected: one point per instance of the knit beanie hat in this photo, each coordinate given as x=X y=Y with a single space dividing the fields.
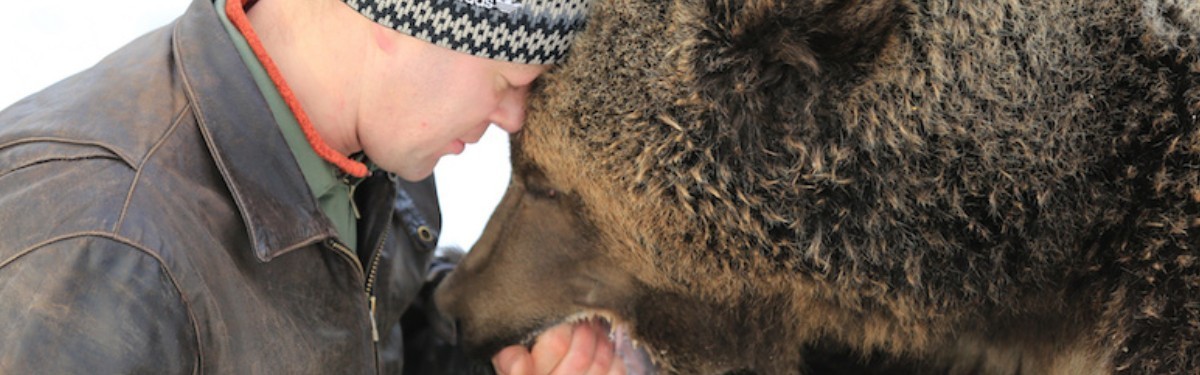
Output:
x=522 y=31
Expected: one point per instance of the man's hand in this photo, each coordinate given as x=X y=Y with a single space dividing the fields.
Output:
x=567 y=349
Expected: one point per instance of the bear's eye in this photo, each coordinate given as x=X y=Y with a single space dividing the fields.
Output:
x=542 y=192
x=537 y=185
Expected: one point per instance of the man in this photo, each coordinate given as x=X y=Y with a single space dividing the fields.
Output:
x=246 y=191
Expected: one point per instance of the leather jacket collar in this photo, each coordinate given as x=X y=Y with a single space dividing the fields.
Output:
x=277 y=207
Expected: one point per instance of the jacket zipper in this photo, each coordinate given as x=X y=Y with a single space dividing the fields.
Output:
x=349 y=254
x=370 y=286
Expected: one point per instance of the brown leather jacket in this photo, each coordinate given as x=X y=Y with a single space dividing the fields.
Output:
x=154 y=221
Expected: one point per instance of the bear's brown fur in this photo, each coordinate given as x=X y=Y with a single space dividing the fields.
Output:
x=978 y=186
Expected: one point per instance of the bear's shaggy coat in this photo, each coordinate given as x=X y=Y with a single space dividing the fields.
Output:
x=983 y=186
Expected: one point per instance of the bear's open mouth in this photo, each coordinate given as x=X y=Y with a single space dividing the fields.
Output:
x=636 y=356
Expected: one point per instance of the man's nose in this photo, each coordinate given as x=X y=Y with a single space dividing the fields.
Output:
x=510 y=111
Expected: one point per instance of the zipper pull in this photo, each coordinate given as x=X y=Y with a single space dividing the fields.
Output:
x=374 y=326
x=353 y=205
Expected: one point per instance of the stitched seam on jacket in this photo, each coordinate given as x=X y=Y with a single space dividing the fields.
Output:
x=162 y=265
x=128 y=161
x=57 y=159
x=137 y=176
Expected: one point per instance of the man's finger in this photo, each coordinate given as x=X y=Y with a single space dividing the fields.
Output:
x=513 y=360
x=551 y=347
x=581 y=354
x=605 y=358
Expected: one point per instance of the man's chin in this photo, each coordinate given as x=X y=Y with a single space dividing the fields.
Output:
x=415 y=173
x=417 y=177
x=457 y=147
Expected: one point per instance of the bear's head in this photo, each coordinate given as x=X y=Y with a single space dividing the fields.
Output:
x=634 y=195
x=751 y=184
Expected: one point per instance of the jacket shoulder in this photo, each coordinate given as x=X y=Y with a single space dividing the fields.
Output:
x=116 y=109
x=112 y=306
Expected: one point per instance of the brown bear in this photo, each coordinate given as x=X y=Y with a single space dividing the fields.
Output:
x=955 y=186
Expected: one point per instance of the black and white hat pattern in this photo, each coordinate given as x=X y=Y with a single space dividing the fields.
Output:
x=522 y=31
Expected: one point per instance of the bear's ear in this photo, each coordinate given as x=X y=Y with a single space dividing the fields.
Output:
x=817 y=37
x=760 y=62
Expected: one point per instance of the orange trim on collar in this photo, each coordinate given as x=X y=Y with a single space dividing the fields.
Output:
x=237 y=15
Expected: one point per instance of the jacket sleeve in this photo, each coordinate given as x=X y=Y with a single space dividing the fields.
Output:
x=92 y=305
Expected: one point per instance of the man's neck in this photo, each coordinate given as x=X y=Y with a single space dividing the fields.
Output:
x=312 y=56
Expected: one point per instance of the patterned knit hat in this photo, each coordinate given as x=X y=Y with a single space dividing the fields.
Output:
x=522 y=31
